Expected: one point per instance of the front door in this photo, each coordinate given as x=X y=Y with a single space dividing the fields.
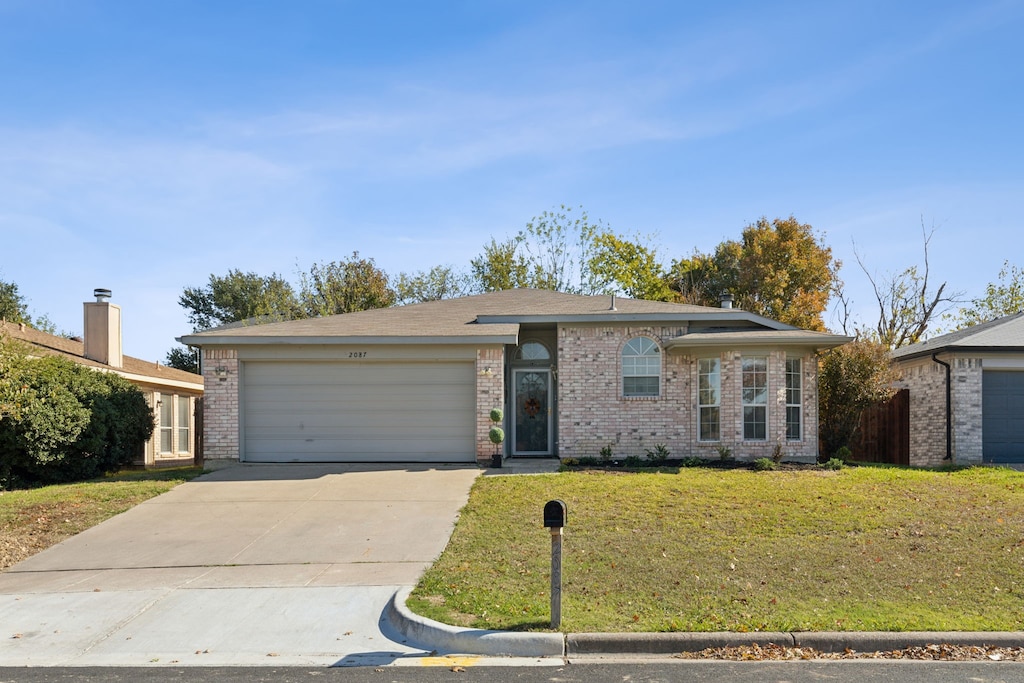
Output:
x=531 y=396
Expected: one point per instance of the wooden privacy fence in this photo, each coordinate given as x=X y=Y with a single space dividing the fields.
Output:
x=884 y=434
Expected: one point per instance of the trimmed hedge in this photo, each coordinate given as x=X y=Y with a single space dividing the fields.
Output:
x=60 y=421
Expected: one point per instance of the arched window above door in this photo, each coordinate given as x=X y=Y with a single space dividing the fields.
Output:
x=532 y=351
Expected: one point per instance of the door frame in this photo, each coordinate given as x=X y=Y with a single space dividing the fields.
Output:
x=550 y=450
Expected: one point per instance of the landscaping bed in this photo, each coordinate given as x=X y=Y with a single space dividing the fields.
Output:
x=712 y=549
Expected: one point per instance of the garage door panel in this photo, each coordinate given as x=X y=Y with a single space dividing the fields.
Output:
x=1003 y=416
x=342 y=412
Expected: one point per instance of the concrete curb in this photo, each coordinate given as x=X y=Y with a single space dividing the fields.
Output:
x=823 y=641
x=447 y=639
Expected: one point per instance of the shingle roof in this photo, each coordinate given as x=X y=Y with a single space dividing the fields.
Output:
x=495 y=317
x=1002 y=334
x=53 y=345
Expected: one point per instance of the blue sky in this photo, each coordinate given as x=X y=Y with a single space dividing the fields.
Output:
x=146 y=145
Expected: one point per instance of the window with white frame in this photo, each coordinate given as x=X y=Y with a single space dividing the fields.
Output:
x=794 y=400
x=174 y=423
x=709 y=397
x=755 y=398
x=641 y=367
x=183 y=421
x=166 y=404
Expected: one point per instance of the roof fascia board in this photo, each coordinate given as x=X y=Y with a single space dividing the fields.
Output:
x=927 y=353
x=227 y=340
x=633 y=317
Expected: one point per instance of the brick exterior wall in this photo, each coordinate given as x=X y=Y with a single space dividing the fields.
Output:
x=926 y=381
x=490 y=393
x=221 y=418
x=593 y=413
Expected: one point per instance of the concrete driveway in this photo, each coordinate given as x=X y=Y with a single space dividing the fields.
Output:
x=262 y=564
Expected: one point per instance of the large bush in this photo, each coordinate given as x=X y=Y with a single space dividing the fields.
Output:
x=851 y=378
x=60 y=421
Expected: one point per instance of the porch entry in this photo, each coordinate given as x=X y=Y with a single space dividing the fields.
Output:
x=532 y=420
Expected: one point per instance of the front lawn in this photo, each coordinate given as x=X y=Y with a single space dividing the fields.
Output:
x=708 y=550
x=32 y=520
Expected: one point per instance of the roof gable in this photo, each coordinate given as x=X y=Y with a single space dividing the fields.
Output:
x=1001 y=334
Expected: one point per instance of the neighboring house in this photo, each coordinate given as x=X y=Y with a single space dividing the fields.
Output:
x=967 y=394
x=573 y=373
x=173 y=394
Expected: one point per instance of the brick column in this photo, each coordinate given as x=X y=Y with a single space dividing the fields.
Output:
x=220 y=406
x=490 y=393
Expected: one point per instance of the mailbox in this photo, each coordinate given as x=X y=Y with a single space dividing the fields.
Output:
x=554 y=514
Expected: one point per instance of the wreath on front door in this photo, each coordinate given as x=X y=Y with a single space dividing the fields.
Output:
x=531 y=407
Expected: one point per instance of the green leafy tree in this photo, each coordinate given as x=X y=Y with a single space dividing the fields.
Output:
x=182 y=358
x=554 y=251
x=240 y=296
x=1002 y=298
x=694 y=280
x=502 y=266
x=356 y=284
x=13 y=308
x=440 y=282
x=627 y=267
x=851 y=378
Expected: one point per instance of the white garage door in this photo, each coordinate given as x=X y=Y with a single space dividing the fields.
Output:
x=343 y=412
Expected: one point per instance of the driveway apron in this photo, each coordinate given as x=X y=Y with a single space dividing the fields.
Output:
x=253 y=564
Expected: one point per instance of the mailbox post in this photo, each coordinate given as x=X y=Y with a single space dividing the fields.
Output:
x=554 y=520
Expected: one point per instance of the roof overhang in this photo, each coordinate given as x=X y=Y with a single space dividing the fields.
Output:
x=819 y=341
x=974 y=350
x=613 y=317
x=348 y=340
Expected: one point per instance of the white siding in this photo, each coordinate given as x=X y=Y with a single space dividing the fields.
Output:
x=358 y=412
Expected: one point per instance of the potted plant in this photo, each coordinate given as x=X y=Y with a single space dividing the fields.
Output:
x=497 y=436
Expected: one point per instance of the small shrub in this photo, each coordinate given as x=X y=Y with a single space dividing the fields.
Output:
x=691 y=461
x=633 y=461
x=724 y=452
x=844 y=454
x=833 y=464
x=606 y=453
x=587 y=460
x=777 y=453
x=659 y=455
x=496 y=435
x=497 y=415
x=765 y=464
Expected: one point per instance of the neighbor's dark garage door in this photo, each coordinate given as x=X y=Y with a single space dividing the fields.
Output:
x=1003 y=416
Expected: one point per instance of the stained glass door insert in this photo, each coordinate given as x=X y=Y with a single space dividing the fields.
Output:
x=532 y=394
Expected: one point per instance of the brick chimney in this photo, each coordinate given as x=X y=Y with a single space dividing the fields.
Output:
x=103 y=330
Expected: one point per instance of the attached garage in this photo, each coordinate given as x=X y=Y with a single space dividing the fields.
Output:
x=336 y=411
x=1003 y=416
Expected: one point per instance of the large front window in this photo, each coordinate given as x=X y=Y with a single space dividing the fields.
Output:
x=641 y=367
x=755 y=398
x=794 y=400
x=174 y=423
x=709 y=396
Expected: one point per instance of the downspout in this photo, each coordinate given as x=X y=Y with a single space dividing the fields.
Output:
x=949 y=406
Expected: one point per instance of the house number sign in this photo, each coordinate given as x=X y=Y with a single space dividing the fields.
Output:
x=357 y=354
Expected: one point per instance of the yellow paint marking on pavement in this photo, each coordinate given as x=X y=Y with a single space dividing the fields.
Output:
x=449 y=661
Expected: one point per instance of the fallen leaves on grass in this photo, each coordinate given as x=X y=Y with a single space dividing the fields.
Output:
x=931 y=652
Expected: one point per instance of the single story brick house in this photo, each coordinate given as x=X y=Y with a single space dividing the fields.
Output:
x=967 y=394
x=573 y=374
x=173 y=394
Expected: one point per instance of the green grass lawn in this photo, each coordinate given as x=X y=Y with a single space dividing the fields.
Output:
x=708 y=550
x=32 y=520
